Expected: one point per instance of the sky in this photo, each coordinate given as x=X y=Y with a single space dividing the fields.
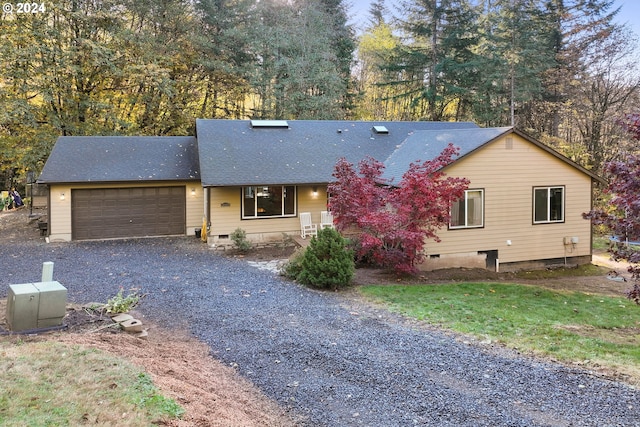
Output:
x=629 y=12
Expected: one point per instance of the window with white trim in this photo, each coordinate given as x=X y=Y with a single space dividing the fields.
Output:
x=268 y=201
x=548 y=205
x=468 y=211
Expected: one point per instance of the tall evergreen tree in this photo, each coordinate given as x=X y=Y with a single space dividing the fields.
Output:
x=226 y=57
x=297 y=74
x=586 y=84
x=376 y=49
x=515 y=53
x=436 y=65
x=343 y=44
x=573 y=26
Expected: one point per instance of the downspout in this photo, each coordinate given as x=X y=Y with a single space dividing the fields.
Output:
x=592 y=189
x=46 y=239
x=207 y=219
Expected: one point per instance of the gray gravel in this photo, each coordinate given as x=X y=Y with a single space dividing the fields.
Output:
x=328 y=359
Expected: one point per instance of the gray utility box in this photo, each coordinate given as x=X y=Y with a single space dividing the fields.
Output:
x=36 y=305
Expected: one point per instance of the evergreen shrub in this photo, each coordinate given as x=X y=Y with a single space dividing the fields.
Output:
x=240 y=242
x=327 y=263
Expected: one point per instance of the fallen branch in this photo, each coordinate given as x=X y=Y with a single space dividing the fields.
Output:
x=103 y=327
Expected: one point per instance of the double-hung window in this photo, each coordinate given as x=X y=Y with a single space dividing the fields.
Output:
x=271 y=201
x=548 y=205
x=468 y=211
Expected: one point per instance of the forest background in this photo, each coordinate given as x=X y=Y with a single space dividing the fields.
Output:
x=563 y=71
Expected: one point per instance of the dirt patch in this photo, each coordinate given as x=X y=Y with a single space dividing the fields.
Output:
x=607 y=278
x=19 y=225
x=211 y=393
x=630 y=336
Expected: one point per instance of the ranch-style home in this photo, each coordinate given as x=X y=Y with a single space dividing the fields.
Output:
x=523 y=207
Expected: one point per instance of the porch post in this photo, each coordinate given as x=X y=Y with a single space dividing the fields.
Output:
x=206 y=206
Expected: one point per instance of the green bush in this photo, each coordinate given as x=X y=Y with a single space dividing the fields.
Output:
x=326 y=262
x=121 y=304
x=293 y=267
x=240 y=242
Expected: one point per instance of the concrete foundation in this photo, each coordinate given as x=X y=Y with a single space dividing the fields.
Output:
x=464 y=260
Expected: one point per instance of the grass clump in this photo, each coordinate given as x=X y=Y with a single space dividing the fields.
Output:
x=144 y=394
x=569 y=326
x=49 y=383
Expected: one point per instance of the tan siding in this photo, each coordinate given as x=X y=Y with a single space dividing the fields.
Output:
x=194 y=206
x=224 y=210
x=508 y=177
x=308 y=202
x=60 y=211
x=226 y=214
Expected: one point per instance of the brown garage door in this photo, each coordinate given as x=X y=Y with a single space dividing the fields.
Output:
x=107 y=213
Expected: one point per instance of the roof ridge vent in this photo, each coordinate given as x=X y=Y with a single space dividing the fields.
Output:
x=380 y=130
x=269 y=124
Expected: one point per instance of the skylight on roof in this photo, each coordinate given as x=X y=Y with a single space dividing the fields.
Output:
x=270 y=124
x=382 y=130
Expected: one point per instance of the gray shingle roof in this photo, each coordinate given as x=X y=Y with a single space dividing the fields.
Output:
x=231 y=152
x=122 y=159
x=427 y=144
x=234 y=153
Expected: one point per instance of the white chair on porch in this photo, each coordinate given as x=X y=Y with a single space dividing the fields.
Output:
x=326 y=219
x=306 y=226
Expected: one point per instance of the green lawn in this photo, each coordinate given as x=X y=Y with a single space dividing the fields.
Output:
x=54 y=384
x=601 y=243
x=568 y=326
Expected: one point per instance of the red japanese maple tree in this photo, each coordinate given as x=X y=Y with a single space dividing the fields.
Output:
x=393 y=222
x=622 y=215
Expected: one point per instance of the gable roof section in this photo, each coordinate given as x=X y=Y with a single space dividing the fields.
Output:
x=426 y=145
x=559 y=156
x=233 y=153
x=76 y=159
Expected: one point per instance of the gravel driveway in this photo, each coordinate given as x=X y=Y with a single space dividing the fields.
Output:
x=329 y=359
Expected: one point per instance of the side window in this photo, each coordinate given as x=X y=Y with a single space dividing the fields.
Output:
x=468 y=211
x=548 y=205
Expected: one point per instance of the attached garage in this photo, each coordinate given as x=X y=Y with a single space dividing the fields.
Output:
x=123 y=187
x=107 y=213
